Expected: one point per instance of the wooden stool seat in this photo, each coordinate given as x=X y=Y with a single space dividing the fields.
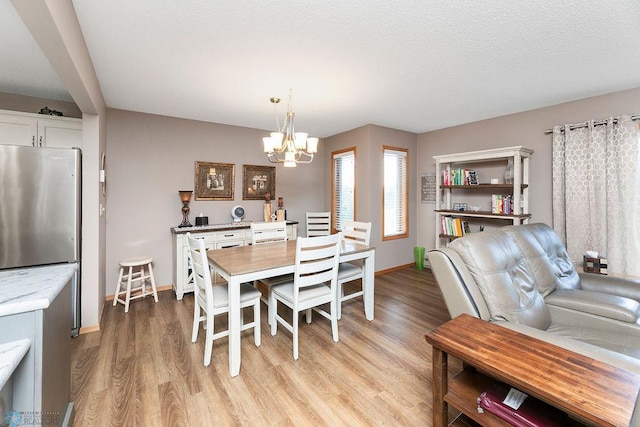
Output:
x=132 y=270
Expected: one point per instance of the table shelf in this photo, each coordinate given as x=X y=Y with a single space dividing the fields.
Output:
x=463 y=391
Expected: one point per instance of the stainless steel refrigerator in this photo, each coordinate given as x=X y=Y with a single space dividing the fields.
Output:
x=41 y=210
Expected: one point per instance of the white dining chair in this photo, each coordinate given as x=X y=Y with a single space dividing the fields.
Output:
x=265 y=233
x=268 y=232
x=210 y=301
x=318 y=224
x=350 y=271
x=314 y=284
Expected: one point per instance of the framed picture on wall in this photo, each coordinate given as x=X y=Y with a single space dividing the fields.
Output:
x=214 y=181
x=258 y=181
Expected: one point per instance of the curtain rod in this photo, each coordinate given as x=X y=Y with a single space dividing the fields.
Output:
x=585 y=124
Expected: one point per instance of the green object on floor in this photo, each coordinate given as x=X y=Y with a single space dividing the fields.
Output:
x=418 y=255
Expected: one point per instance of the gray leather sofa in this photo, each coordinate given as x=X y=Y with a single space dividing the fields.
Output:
x=521 y=278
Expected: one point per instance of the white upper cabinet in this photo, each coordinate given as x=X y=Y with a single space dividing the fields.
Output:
x=38 y=130
x=60 y=133
x=18 y=130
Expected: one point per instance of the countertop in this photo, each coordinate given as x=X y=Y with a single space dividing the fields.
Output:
x=32 y=288
x=11 y=355
x=217 y=227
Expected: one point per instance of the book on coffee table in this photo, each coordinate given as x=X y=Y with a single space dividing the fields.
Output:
x=518 y=408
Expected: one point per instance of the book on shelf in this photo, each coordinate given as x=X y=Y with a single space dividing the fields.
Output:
x=457 y=222
x=456 y=227
x=465 y=228
x=471 y=177
x=459 y=176
x=501 y=204
x=518 y=408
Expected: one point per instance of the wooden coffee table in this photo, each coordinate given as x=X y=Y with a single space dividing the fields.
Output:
x=589 y=391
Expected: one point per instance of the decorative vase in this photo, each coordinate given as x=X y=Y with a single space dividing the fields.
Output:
x=418 y=255
x=280 y=211
x=508 y=172
x=267 y=212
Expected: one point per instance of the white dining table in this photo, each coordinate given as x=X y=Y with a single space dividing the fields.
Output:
x=248 y=263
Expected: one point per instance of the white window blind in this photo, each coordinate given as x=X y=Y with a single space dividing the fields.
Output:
x=344 y=188
x=395 y=194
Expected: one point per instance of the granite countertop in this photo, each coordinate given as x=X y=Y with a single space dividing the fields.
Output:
x=11 y=355
x=217 y=227
x=32 y=288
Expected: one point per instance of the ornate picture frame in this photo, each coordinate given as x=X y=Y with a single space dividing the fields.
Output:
x=257 y=181
x=214 y=181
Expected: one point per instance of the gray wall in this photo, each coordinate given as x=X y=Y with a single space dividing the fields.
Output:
x=31 y=104
x=526 y=129
x=369 y=141
x=150 y=158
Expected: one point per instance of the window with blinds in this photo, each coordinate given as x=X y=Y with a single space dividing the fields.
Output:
x=343 y=188
x=395 y=197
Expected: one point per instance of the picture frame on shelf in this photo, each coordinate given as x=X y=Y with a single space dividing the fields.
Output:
x=462 y=207
x=258 y=182
x=472 y=178
x=214 y=181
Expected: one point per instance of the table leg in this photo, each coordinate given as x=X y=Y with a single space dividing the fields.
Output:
x=440 y=377
x=368 y=284
x=234 y=326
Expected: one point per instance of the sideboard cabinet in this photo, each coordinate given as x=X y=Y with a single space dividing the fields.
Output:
x=217 y=236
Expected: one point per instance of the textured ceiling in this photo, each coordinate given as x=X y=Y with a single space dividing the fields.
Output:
x=23 y=68
x=410 y=65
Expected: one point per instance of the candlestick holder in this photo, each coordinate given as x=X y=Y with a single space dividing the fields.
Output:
x=185 y=197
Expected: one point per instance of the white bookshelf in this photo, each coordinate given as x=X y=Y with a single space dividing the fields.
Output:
x=447 y=195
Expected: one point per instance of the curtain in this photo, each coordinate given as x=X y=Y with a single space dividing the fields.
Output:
x=596 y=191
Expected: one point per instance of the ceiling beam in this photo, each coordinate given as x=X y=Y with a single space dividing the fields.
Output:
x=55 y=28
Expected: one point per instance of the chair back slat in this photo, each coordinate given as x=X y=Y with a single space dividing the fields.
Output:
x=317 y=260
x=358 y=231
x=201 y=271
x=318 y=224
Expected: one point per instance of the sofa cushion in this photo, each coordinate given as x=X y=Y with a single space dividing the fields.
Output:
x=575 y=339
x=543 y=271
x=501 y=273
x=605 y=305
x=558 y=258
x=616 y=341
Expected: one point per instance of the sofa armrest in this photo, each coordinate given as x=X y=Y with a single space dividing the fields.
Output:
x=622 y=286
x=595 y=352
x=597 y=303
x=460 y=293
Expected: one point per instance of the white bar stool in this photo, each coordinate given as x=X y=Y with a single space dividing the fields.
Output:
x=126 y=279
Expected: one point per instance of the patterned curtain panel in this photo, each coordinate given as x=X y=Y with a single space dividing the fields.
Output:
x=596 y=191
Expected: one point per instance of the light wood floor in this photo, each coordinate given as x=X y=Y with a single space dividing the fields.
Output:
x=141 y=368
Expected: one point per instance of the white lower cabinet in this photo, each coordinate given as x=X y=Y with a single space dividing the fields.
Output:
x=214 y=238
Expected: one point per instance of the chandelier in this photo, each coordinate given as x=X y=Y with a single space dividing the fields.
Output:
x=287 y=146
